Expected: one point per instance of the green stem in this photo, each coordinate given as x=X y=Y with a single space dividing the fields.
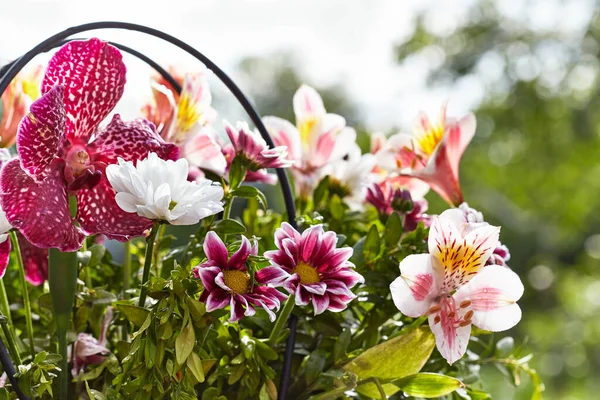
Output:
x=148 y=262
x=227 y=208
x=126 y=268
x=62 y=279
x=10 y=339
x=281 y=320
x=86 y=272
x=26 y=303
x=4 y=304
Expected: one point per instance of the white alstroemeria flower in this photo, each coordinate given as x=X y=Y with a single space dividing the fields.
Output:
x=453 y=286
x=159 y=190
x=350 y=177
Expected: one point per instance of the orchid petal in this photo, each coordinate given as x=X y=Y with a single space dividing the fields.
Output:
x=39 y=210
x=4 y=257
x=93 y=75
x=35 y=261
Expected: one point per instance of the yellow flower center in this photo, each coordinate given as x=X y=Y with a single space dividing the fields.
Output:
x=306 y=129
x=460 y=264
x=308 y=275
x=237 y=281
x=430 y=137
x=187 y=114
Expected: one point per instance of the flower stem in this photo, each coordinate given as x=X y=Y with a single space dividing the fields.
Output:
x=87 y=269
x=227 y=208
x=26 y=303
x=126 y=267
x=10 y=339
x=4 y=304
x=148 y=262
x=281 y=320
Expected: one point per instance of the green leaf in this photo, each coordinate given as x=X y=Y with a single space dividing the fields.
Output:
x=194 y=363
x=134 y=314
x=428 y=385
x=357 y=255
x=336 y=208
x=98 y=252
x=229 y=227
x=394 y=359
x=393 y=230
x=184 y=344
x=250 y=192
x=237 y=173
x=321 y=191
x=372 y=244
x=340 y=346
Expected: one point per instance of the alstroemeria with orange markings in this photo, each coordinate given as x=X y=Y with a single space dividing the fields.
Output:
x=317 y=139
x=454 y=288
x=438 y=147
x=186 y=119
x=18 y=96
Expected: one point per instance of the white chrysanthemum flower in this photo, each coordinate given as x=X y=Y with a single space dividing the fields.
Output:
x=159 y=190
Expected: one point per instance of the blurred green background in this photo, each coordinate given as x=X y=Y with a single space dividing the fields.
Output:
x=533 y=166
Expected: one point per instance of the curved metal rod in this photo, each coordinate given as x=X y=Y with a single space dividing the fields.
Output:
x=161 y=71
x=283 y=180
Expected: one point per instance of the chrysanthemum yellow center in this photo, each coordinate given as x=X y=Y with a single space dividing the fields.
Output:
x=308 y=275
x=306 y=128
x=187 y=114
x=237 y=281
x=429 y=139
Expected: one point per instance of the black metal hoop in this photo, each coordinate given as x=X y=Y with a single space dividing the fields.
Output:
x=288 y=197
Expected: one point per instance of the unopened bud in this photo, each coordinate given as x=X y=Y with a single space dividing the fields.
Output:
x=402 y=201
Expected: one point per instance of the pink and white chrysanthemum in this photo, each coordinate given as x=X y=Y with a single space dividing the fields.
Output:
x=451 y=286
x=253 y=149
x=62 y=152
x=310 y=266
x=227 y=282
x=317 y=138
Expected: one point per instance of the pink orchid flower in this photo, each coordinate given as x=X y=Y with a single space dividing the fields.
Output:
x=227 y=282
x=451 y=286
x=63 y=151
x=309 y=265
x=88 y=350
x=317 y=139
x=438 y=147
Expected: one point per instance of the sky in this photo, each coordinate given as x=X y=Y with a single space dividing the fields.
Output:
x=338 y=41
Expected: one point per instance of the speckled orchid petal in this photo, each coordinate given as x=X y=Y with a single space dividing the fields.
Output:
x=93 y=75
x=132 y=141
x=41 y=133
x=39 y=210
x=4 y=256
x=35 y=261
x=98 y=212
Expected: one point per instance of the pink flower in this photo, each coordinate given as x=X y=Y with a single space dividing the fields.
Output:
x=452 y=287
x=317 y=139
x=63 y=151
x=88 y=350
x=253 y=149
x=227 y=282
x=314 y=269
x=388 y=198
x=440 y=146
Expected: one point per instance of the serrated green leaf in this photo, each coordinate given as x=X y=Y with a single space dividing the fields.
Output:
x=428 y=385
x=184 y=344
x=394 y=359
x=134 y=314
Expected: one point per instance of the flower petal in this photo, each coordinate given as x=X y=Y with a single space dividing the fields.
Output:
x=215 y=249
x=451 y=340
x=35 y=261
x=285 y=134
x=41 y=133
x=130 y=140
x=414 y=291
x=98 y=212
x=93 y=75
x=307 y=104
x=217 y=299
x=271 y=275
x=458 y=137
x=320 y=303
x=493 y=295
x=4 y=256
x=39 y=210
x=238 y=259
x=203 y=151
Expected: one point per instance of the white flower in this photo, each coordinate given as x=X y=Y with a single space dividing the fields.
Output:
x=350 y=177
x=159 y=190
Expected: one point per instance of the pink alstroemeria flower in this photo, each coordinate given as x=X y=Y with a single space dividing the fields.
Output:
x=227 y=282
x=388 y=198
x=310 y=266
x=17 y=98
x=452 y=286
x=63 y=151
x=186 y=120
x=439 y=147
x=317 y=139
